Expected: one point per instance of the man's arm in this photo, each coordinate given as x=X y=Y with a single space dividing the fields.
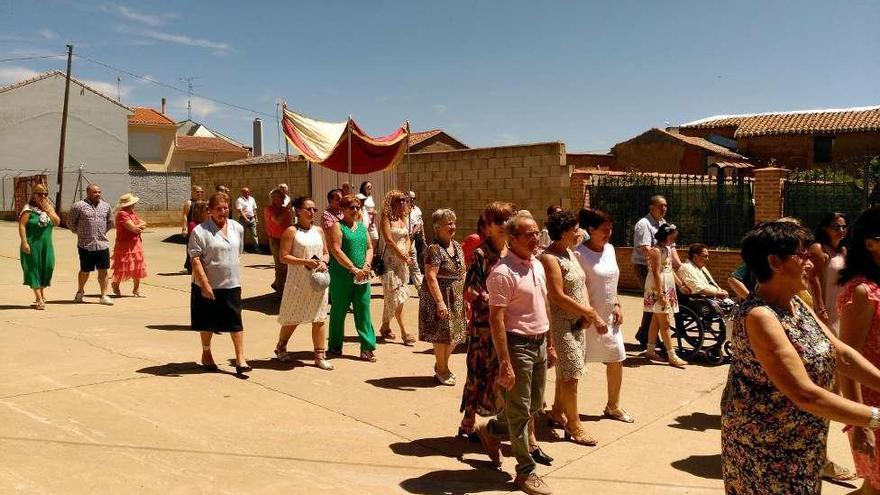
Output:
x=506 y=377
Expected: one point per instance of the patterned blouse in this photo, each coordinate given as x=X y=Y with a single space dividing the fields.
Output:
x=768 y=444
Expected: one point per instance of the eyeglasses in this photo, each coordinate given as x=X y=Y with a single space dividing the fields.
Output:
x=313 y=210
x=42 y=194
x=535 y=233
x=838 y=227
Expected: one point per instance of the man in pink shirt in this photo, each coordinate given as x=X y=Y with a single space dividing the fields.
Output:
x=518 y=319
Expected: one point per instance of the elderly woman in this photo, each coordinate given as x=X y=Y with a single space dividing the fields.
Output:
x=278 y=217
x=351 y=252
x=661 y=298
x=441 y=309
x=570 y=308
x=396 y=254
x=37 y=253
x=827 y=255
x=215 y=248
x=778 y=399
x=599 y=262
x=859 y=309
x=304 y=298
x=128 y=252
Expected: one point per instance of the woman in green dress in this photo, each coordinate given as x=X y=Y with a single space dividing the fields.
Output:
x=37 y=254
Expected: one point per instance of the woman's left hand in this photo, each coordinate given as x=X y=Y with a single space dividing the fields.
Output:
x=863 y=440
x=322 y=266
x=442 y=311
x=617 y=314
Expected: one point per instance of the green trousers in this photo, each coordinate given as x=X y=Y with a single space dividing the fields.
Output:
x=344 y=293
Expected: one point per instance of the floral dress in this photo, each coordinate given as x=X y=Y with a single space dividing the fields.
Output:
x=565 y=327
x=450 y=278
x=768 y=444
x=481 y=395
x=868 y=466
x=667 y=286
x=395 y=280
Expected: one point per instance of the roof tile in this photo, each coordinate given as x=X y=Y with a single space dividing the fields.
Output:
x=148 y=116
x=844 y=120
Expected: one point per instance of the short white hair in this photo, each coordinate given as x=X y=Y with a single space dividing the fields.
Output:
x=511 y=226
x=442 y=215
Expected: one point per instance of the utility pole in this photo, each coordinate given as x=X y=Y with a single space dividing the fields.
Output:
x=63 y=131
x=189 y=91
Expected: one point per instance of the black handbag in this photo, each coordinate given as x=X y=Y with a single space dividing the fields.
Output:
x=378 y=262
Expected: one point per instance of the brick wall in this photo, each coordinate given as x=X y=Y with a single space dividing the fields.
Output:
x=532 y=176
x=160 y=190
x=260 y=178
x=721 y=264
x=769 y=184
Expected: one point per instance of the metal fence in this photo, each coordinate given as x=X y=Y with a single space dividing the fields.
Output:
x=713 y=210
x=847 y=186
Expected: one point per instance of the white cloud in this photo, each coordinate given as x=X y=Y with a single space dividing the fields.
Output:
x=108 y=89
x=47 y=34
x=182 y=39
x=13 y=74
x=201 y=108
x=133 y=15
x=439 y=109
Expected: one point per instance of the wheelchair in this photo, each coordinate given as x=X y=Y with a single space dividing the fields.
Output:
x=700 y=332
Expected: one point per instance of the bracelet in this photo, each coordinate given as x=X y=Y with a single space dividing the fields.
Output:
x=874 y=423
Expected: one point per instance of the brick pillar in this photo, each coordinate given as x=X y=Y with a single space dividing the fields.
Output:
x=580 y=197
x=769 y=183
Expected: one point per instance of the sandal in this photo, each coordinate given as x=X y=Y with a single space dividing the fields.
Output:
x=832 y=471
x=137 y=294
x=41 y=305
x=468 y=434
x=652 y=356
x=321 y=361
x=554 y=421
x=618 y=414
x=368 y=356
x=675 y=361
x=282 y=354
x=387 y=334
x=580 y=438
x=409 y=340
x=116 y=291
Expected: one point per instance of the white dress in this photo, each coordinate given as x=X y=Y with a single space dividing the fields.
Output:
x=395 y=280
x=300 y=302
x=602 y=275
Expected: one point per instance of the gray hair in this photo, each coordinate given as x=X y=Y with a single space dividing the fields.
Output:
x=442 y=215
x=511 y=226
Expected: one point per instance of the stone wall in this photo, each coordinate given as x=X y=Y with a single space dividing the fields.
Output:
x=160 y=190
x=721 y=264
x=260 y=178
x=532 y=176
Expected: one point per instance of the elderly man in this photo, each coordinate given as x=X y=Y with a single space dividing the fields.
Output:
x=91 y=219
x=286 y=192
x=643 y=241
x=696 y=276
x=519 y=323
x=247 y=215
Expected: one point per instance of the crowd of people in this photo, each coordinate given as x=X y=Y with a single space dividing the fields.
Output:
x=804 y=331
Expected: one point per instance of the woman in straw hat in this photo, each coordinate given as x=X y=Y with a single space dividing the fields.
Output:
x=128 y=253
x=37 y=253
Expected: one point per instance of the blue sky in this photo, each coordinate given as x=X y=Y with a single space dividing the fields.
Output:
x=589 y=74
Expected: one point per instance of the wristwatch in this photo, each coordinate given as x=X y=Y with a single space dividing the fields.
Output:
x=875 y=419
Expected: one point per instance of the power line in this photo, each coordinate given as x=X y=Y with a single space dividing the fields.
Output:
x=32 y=57
x=186 y=91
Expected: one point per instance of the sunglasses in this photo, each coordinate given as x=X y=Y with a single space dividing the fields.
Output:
x=42 y=194
x=838 y=227
x=313 y=209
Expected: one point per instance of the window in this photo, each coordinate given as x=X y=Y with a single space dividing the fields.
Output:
x=822 y=146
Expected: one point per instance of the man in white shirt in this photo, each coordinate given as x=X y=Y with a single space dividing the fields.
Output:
x=417 y=233
x=696 y=276
x=247 y=215
x=286 y=192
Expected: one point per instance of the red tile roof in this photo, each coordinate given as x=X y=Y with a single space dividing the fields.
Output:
x=195 y=143
x=148 y=116
x=688 y=140
x=836 y=121
x=417 y=137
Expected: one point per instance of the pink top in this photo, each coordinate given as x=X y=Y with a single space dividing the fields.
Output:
x=122 y=233
x=520 y=286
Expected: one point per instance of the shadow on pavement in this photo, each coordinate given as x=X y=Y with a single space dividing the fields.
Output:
x=179 y=369
x=408 y=383
x=483 y=478
x=15 y=306
x=173 y=274
x=448 y=446
x=267 y=304
x=171 y=328
x=704 y=466
x=294 y=361
x=261 y=267
x=175 y=239
x=698 y=421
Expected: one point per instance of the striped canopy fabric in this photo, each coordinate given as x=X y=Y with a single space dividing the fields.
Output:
x=327 y=144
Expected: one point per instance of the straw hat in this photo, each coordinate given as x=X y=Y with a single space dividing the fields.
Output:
x=127 y=199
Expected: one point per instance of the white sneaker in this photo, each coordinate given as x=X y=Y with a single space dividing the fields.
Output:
x=78 y=298
x=106 y=301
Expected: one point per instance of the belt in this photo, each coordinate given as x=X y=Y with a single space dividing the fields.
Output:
x=516 y=337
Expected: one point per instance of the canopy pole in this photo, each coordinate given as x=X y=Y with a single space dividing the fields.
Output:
x=349 y=151
x=286 y=144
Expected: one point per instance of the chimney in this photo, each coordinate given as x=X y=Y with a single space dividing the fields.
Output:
x=163 y=105
x=258 y=137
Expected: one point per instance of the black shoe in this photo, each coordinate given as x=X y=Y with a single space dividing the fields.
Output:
x=541 y=457
x=210 y=367
x=471 y=437
x=241 y=370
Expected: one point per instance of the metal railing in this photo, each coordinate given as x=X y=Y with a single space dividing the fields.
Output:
x=847 y=186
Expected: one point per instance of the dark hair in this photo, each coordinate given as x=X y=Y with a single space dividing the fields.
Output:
x=664 y=231
x=300 y=201
x=559 y=223
x=363 y=188
x=593 y=219
x=858 y=260
x=331 y=192
x=695 y=249
x=780 y=238
x=820 y=235
x=498 y=212
x=553 y=209
x=481 y=225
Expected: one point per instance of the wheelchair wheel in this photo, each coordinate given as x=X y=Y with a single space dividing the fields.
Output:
x=688 y=333
x=714 y=335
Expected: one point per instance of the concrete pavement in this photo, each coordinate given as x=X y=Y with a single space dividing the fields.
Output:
x=97 y=399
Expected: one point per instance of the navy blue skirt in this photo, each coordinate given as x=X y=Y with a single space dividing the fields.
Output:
x=223 y=314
